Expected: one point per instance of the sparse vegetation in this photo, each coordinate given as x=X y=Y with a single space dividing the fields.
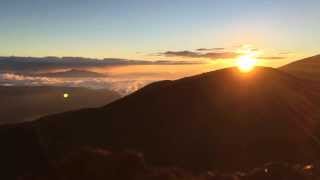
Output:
x=101 y=164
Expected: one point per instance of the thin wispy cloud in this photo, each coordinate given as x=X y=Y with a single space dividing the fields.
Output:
x=210 y=49
x=272 y=57
x=284 y=53
x=209 y=55
x=26 y=79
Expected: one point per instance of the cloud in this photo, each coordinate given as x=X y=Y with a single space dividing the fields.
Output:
x=284 y=53
x=26 y=80
x=182 y=54
x=210 y=55
x=210 y=49
x=271 y=57
x=120 y=85
x=222 y=55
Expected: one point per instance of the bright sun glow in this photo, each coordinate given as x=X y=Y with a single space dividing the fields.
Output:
x=246 y=63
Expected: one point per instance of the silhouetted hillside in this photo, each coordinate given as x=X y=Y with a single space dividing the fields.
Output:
x=223 y=120
x=308 y=68
x=22 y=103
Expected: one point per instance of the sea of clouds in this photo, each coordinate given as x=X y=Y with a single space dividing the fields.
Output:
x=122 y=76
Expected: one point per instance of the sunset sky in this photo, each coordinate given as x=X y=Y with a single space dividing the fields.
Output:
x=280 y=30
x=160 y=89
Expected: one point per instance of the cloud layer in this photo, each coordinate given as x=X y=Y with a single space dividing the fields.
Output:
x=23 y=64
x=120 y=85
x=210 y=49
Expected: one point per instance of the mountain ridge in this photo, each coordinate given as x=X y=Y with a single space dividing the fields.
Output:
x=307 y=68
x=133 y=106
x=224 y=119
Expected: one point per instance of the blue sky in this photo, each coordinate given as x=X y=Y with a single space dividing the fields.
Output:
x=140 y=29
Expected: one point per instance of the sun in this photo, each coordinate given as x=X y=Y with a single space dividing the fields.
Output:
x=246 y=63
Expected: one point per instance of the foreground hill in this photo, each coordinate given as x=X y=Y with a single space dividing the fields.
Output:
x=308 y=68
x=22 y=103
x=223 y=120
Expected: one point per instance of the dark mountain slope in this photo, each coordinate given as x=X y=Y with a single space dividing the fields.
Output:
x=219 y=111
x=222 y=119
x=308 y=68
